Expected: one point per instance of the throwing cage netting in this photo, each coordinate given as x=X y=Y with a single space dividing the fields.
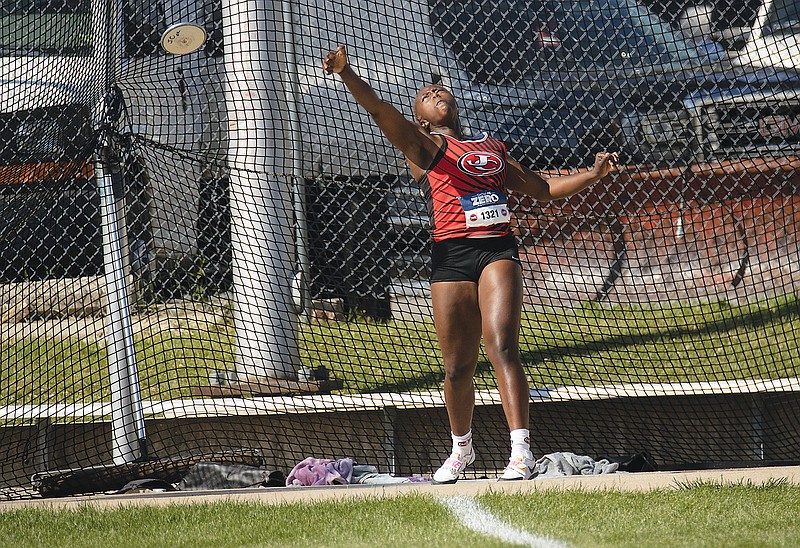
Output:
x=213 y=255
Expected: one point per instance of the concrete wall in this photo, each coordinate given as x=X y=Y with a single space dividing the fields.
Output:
x=676 y=431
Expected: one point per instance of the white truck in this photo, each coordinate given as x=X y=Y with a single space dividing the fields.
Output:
x=58 y=60
x=774 y=38
x=48 y=83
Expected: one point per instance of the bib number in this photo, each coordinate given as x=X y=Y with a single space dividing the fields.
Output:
x=485 y=208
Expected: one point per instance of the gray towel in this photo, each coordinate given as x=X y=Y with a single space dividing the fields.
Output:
x=570 y=464
x=369 y=475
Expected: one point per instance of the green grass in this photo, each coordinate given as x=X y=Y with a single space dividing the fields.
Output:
x=704 y=514
x=586 y=346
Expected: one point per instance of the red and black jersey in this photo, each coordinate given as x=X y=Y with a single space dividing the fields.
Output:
x=464 y=189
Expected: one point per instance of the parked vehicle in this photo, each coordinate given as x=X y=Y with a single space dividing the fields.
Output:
x=555 y=80
x=55 y=69
x=174 y=133
x=757 y=112
x=48 y=224
x=774 y=39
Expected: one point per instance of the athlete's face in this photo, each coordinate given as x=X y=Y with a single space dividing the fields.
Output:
x=436 y=106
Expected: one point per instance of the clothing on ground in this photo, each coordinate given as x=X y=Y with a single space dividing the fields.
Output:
x=570 y=464
x=313 y=471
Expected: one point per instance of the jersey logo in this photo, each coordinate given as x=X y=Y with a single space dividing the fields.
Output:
x=480 y=163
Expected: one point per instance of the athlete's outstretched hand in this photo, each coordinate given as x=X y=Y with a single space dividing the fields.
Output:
x=335 y=61
x=605 y=163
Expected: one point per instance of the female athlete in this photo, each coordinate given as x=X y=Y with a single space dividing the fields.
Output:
x=476 y=275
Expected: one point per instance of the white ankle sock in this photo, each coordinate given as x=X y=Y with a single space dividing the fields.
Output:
x=462 y=444
x=521 y=442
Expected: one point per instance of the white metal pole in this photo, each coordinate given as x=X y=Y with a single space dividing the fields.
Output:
x=299 y=187
x=127 y=417
x=260 y=193
x=128 y=443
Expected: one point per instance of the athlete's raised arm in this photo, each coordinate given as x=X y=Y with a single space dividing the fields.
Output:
x=415 y=143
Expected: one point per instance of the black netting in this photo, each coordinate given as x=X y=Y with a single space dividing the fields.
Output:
x=209 y=251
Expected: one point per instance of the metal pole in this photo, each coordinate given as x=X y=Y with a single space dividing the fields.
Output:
x=129 y=442
x=261 y=208
x=298 y=186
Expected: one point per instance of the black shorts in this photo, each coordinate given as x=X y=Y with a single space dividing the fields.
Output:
x=463 y=259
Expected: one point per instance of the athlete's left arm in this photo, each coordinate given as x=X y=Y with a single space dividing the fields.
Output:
x=522 y=179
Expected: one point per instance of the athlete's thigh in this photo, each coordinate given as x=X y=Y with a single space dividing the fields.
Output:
x=458 y=320
x=500 y=298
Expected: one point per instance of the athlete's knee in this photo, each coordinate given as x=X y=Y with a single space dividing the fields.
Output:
x=456 y=372
x=502 y=353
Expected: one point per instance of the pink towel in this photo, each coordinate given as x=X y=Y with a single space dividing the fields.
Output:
x=313 y=471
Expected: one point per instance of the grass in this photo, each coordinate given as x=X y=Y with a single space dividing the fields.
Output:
x=589 y=345
x=702 y=514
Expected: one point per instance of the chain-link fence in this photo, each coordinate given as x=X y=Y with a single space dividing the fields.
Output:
x=210 y=252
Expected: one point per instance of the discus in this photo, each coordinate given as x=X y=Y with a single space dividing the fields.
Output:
x=183 y=38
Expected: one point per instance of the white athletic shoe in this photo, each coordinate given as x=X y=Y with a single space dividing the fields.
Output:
x=520 y=467
x=452 y=468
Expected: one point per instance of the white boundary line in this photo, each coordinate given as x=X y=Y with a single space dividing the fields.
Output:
x=475 y=517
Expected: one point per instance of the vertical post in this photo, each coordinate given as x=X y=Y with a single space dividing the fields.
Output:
x=298 y=183
x=389 y=419
x=757 y=426
x=128 y=442
x=261 y=207
x=127 y=418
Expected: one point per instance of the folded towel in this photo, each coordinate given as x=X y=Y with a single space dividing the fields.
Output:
x=313 y=471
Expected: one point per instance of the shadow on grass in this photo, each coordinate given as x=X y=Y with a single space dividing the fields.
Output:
x=428 y=381
x=786 y=311
x=431 y=380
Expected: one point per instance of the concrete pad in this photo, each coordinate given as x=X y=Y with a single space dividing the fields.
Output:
x=633 y=482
